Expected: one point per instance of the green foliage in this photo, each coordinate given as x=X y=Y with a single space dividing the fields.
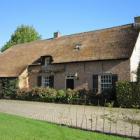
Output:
x=8 y=87
x=128 y=94
x=71 y=95
x=138 y=74
x=109 y=104
x=22 y=34
x=60 y=96
x=46 y=95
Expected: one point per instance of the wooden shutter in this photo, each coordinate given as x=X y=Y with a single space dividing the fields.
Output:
x=39 y=81
x=51 y=82
x=114 y=80
x=95 y=83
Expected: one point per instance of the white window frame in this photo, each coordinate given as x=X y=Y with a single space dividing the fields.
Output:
x=45 y=81
x=47 y=61
x=105 y=81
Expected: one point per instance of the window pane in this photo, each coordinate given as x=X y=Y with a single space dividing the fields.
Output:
x=106 y=81
x=46 y=81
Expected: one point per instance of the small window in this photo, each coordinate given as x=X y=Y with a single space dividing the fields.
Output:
x=47 y=61
x=77 y=46
x=103 y=82
x=106 y=82
x=47 y=81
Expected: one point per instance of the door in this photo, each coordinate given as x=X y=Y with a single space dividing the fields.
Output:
x=69 y=83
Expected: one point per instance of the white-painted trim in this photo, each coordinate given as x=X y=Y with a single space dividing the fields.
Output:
x=135 y=60
x=100 y=82
x=43 y=80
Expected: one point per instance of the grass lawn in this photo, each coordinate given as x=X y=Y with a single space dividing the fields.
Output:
x=19 y=128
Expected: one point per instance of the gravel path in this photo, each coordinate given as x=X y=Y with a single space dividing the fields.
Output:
x=110 y=120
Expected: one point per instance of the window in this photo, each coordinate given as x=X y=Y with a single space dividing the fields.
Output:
x=47 y=61
x=106 y=82
x=70 y=77
x=103 y=82
x=47 y=81
x=77 y=46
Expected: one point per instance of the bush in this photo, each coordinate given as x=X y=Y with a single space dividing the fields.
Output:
x=8 y=87
x=128 y=94
x=71 y=96
x=24 y=94
x=48 y=95
x=61 y=96
x=37 y=94
x=58 y=96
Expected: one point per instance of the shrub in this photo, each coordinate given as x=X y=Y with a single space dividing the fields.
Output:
x=23 y=94
x=128 y=94
x=82 y=96
x=135 y=95
x=61 y=96
x=38 y=94
x=8 y=87
x=48 y=94
x=71 y=96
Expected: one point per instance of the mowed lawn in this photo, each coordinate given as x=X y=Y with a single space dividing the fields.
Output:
x=19 y=128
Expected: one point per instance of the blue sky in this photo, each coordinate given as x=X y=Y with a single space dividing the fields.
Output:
x=66 y=16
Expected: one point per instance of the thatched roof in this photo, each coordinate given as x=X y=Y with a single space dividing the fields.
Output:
x=112 y=43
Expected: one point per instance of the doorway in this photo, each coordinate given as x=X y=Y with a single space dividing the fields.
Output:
x=70 y=83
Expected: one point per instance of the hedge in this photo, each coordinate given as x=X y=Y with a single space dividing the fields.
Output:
x=61 y=96
x=8 y=87
x=128 y=94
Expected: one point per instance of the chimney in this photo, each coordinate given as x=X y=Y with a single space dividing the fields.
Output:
x=137 y=22
x=56 y=35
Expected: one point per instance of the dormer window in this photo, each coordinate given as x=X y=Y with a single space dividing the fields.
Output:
x=47 y=61
x=77 y=46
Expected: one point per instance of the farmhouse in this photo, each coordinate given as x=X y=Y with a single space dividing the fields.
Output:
x=92 y=60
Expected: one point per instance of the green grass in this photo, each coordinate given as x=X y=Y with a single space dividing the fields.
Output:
x=19 y=128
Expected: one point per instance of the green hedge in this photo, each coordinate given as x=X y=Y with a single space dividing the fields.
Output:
x=61 y=96
x=8 y=87
x=128 y=94
x=47 y=95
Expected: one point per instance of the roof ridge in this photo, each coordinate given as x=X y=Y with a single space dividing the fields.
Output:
x=71 y=35
x=92 y=31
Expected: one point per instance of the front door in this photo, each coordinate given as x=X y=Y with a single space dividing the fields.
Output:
x=69 y=83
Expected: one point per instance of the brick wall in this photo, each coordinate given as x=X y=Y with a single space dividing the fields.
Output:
x=85 y=71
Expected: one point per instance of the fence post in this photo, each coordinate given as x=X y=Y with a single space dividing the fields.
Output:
x=103 y=118
x=96 y=122
x=91 y=121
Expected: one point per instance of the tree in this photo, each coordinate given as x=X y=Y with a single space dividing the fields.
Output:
x=22 y=34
